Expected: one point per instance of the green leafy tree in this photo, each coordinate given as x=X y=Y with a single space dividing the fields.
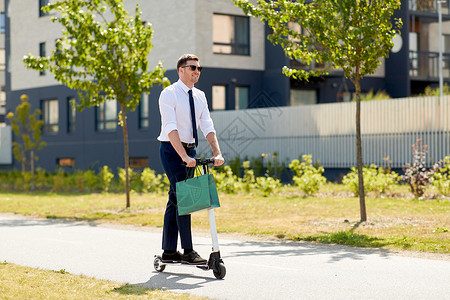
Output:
x=103 y=53
x=27 y=128
x=350 y=35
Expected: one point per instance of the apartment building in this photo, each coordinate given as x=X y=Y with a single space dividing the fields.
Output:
x=2 y=63
x=242 y=70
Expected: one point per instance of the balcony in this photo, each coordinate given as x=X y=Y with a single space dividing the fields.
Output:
x=428 y=6
x=424 y=65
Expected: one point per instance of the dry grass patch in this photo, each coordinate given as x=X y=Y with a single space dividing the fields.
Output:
x=17 y=282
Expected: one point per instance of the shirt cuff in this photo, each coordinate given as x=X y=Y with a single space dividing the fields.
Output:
x=170 y=127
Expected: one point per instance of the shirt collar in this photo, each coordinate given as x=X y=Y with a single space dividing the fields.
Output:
x=184 y=87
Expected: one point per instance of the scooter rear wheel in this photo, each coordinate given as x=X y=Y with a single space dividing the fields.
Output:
x=220 y=271
x=158 y=265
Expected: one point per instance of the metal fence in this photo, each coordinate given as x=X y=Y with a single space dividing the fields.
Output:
x=5 y=145
x=327 y=131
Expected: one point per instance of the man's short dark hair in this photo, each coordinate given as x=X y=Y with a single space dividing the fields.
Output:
x=184 y=58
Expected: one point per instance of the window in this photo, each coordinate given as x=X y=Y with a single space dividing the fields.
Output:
x=42 y=3
x=2 y=60
x=241 y=97
x=138 y=162
x=107 y=115
x=65 y=162
x=71 y=114
x=303 y=97
x=219 y=97
x=143 y=112
x=231 y=34
x=2 y=22
x=42 y=54
x=50 y=115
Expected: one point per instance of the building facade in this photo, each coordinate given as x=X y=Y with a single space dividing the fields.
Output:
x=242 y=70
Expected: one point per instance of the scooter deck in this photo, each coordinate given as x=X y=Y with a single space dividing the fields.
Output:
x=204 y=266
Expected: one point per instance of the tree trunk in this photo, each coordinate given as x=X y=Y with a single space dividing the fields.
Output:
x=359 y=160
x=126 y=154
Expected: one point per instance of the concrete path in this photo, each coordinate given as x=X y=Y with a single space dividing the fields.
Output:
x=255 y=270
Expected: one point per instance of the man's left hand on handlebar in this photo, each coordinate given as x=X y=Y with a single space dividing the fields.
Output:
x=218 y=160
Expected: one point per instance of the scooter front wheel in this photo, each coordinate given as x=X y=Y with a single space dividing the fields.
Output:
x=219 y=271
x=158 y=264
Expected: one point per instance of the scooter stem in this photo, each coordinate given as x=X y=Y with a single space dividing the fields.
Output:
x=212 y=225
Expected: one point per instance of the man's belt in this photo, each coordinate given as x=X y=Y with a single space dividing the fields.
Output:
x=188 y=145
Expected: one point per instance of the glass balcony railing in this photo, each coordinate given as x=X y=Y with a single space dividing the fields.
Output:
x=425 y=65
x=429 y=6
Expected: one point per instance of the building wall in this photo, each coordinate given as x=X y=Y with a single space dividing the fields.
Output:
x=179 y=27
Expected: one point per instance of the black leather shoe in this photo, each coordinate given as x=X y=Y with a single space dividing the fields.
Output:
x=170 y=257
x=192 y=258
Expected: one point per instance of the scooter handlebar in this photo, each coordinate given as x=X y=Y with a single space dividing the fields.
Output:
x=202 y=162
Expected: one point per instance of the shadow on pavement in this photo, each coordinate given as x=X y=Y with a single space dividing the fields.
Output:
x=31 y=221
x=173 y=281
x=287 y=248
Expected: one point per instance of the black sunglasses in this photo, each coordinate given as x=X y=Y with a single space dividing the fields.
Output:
x=193 y=67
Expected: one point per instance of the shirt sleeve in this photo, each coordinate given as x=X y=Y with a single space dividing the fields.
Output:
x=167 y=103
x=205 y=121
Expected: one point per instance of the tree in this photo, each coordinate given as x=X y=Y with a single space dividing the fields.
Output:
x=103 y=53
x=27 y=128
x=351 y=35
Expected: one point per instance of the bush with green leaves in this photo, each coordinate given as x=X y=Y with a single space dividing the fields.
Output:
x=106 y=176
x=267 y=185
x=307 y=177
x=152 y=182
x=376 y=179
x=441 y=179
x=135 y=180
x=248 y=181
x=226 y=181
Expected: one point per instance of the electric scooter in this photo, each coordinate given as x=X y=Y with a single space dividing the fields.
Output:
x=214 y=262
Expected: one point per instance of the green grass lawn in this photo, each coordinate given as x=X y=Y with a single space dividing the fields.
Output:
x=330 y=217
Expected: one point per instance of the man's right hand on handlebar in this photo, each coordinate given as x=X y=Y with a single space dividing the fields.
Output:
x=189 y=161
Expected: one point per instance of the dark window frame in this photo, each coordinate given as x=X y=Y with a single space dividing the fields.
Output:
x=2 y=22
x=45 y=109
x=101 y=123
x=43 y=3
x=235 y=46
x=144 y=116
x=42 y=53
x=225 y=86
x=71 y=115
x=236 y=105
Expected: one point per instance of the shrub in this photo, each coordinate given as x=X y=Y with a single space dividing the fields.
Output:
x=416 y=174
x=58 y=181
x=106 y=177
x=42 y=179
x=248 y=181
x=152 y=182
x=377 y=180
x=91 y=180
x=79 y=177
x=308 y=178
x=441 y=179
x=267 y=185
x=226 y=181
x=135 y=180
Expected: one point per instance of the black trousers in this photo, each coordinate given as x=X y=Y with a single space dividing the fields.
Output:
x=174 y=224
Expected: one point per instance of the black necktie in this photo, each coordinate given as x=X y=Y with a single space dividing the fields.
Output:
x=194 y=123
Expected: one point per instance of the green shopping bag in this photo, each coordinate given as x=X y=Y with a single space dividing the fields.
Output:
x=196 y=193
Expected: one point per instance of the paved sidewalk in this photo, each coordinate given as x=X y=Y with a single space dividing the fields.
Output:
x=255 y=270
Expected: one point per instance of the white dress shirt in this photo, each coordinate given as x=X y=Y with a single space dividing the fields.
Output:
x=176 y=112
